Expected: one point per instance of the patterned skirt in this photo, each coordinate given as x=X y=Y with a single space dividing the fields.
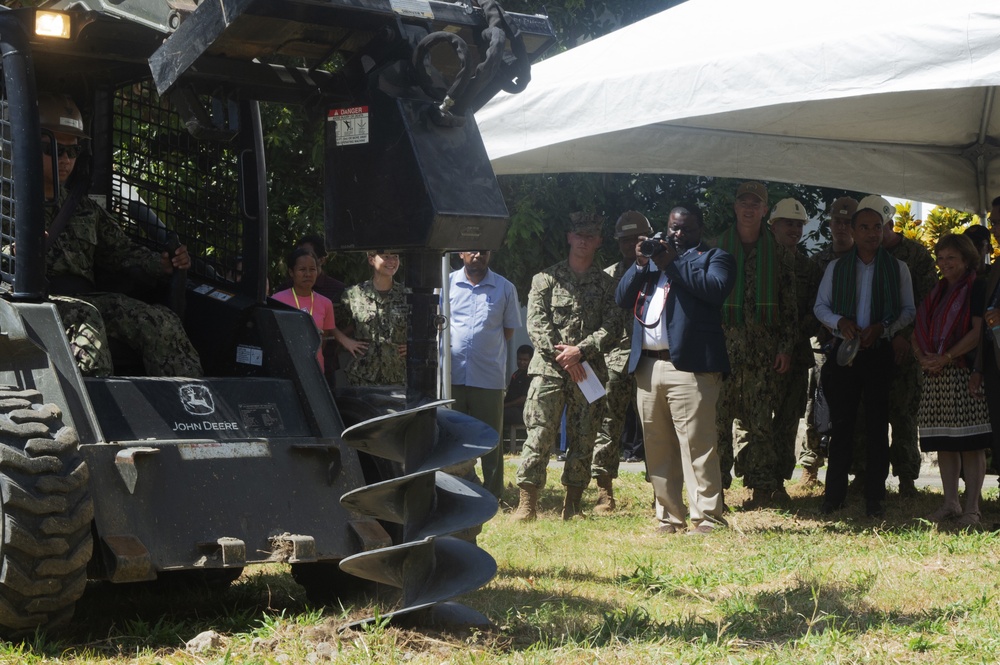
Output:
x=950 y=419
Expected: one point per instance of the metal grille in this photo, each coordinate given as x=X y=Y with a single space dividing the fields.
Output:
x=6 y=194
x=189 y=186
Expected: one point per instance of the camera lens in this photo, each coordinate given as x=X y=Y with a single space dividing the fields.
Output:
x=649 y=247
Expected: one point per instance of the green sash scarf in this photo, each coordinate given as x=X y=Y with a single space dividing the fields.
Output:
x=886 y=302
x=767 y=279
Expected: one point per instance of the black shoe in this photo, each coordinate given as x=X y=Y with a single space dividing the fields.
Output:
x=857 y=486
x=780 y=496
x=874 y=509
x=561 y=457
x=633 y=460
x=829 y=507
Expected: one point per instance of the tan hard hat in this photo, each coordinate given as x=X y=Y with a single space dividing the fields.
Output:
x=754 y=188
x=59 y=113
x=845 y=206
x=631 y=224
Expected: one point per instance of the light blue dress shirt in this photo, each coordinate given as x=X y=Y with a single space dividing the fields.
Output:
x=479 y=314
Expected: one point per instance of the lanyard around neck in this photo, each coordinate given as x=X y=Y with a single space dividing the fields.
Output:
x=312 y=301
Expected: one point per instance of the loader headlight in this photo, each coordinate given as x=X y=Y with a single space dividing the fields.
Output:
x=52 y=24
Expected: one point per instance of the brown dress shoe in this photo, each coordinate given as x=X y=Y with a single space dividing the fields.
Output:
x=701 y=530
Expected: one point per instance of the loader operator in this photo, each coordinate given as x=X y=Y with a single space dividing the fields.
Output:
x=84 y=235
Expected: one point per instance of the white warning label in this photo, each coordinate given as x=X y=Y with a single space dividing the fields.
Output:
x=352 y=124
x=250 y=355
x=418 y=8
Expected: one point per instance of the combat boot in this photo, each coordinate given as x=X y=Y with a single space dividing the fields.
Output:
x=571 y=506
x=605 y=496
x=527 y=504
x=810 y=477
x=907 y=488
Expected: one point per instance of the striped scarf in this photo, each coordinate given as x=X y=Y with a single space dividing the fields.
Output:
x=886 y=303
x=943 y=317
x=767 y=279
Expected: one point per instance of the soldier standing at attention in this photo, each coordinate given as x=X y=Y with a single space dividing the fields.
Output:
x=841 y=242
x=787 y=222
x=376 y=311
x=759 y=318
x=620 y=385
x=904 y=393
x=572 y=318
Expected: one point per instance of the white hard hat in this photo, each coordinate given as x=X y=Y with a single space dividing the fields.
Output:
x=877 y=204
x=789 y=209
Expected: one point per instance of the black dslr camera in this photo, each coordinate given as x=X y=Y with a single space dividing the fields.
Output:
x=650 y=247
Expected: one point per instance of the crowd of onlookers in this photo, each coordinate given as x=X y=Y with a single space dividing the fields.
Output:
x=718 y=348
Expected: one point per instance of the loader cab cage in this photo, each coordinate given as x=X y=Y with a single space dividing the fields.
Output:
x=158 y=179
x=191 y=187
x=6 y=193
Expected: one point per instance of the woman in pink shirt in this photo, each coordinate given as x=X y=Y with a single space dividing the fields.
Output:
x=303 y=269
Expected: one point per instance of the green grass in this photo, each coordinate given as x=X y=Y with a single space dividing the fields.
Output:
x=779 y=586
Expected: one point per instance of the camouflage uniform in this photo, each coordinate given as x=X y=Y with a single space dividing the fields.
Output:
x=792 y=395
x=812 y=454
x=579 y=310
x=747 y=396
x=380 y=320
x=93 y=237
x=620 y=388
x=904 y=393
x=88 y=341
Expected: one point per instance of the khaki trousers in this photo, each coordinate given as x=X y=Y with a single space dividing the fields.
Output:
x=486 y=405
x=677 y=410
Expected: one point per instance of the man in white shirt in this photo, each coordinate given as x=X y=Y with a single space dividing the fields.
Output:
x=867 y=296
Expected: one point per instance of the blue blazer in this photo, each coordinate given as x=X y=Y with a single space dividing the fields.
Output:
x=700 y=281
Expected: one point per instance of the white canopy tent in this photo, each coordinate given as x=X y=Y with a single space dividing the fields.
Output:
x=895 y=97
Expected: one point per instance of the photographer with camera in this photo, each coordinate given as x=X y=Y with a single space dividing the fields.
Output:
x=675 y=292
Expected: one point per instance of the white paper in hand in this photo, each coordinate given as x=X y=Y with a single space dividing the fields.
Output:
x=591 y=386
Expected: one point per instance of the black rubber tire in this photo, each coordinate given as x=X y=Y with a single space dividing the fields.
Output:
x=46 y=514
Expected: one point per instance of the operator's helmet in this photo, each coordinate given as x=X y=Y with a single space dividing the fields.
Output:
x=59 y=113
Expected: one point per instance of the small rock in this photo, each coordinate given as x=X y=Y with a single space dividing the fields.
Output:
x=282 y=658
x=325 y=650
x=205 y=641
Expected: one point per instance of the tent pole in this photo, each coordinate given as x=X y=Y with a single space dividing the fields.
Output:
x=984 y=123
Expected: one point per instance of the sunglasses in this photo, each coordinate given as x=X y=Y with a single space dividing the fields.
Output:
x=71 y=151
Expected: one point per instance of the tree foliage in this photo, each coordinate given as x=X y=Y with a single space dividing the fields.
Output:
x=540 y=206
x=940 y=222
x=293 y=144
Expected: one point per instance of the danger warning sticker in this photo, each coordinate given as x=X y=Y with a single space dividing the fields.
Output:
x=417 y=8
x=352 y=124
